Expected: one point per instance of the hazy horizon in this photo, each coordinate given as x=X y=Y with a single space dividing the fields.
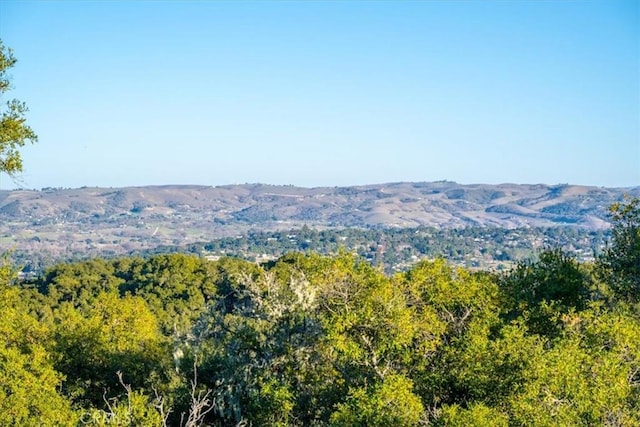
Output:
x=322 y=94
x=17 y=187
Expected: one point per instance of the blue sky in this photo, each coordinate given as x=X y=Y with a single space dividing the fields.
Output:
x=316 y=93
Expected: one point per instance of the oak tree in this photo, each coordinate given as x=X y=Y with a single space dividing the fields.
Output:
x=14 y=132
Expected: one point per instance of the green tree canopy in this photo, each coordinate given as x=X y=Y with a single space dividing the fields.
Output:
x=620 y=264
x=113 y=335
x=28 y=382
x=14 y=132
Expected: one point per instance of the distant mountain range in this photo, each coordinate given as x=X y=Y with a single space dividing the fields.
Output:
x=118 y=220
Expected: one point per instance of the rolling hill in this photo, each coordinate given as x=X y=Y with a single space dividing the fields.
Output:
x=120 y=220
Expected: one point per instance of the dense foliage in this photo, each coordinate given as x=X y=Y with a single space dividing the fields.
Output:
x=308 y=339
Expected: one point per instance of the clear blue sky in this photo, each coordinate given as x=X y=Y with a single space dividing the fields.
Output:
x=327 y=92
